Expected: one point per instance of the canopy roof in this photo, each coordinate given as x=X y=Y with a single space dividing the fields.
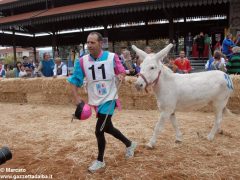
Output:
x=57 y=15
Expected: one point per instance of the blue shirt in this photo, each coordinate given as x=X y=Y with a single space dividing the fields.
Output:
x=226 y=46
x=47 y=68
x=77 y=80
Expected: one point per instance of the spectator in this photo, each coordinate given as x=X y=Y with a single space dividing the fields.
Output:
x=217 y=62
x=238 y=40
x=2 y=70
x=60 y=69
x=176 y=41
x=171 y=64
x=128 y=63
x=188 y=41
x=26 y=63
x=17 y=69
x=148 y=50
x=37 y=73
x=200 y=45
x=23 y=72
x=233 y=64
x=227 y=45
x=71 y=59
x=46 y=66
x=137 y=65
x=9 y=71
x=183 y=63
x=218 y=46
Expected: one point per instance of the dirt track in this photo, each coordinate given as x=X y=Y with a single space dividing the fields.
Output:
x=44 y=141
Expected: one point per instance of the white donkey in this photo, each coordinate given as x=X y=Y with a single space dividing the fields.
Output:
x=182 y=92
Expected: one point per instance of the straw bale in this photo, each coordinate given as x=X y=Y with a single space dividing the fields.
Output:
x=58 y=91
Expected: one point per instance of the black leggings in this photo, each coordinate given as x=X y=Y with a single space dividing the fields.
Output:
x=110 y=130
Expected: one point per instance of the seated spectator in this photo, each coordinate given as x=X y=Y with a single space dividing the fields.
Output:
x=22 y=72
x=9 y=71
x=137 y=64
x=60 y=69
x=233 y=64
x=46 y=65
x=17 y=69
x=37 y=73
x=217 y=62
x=170 y=64
x=2 y=70
x=26 y=63
x=128 y=63
x=215 y=59
x=183 y=63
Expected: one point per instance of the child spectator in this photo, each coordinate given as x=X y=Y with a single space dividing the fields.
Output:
x=170 y=64
x=22 y=72
x=217 y=62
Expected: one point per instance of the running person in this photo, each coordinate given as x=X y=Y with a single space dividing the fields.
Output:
x=100 y=69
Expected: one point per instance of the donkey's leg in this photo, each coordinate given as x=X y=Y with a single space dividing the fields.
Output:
x=218 y=118
x=158 y=128
x=175 y=126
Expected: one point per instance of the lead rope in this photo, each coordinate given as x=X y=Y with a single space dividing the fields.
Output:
x=109 y=108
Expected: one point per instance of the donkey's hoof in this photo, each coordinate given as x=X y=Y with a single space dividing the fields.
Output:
x=210 y=137
x=149 y=146
x=178 y=141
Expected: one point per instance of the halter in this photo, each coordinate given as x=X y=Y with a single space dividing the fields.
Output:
x=147 y=83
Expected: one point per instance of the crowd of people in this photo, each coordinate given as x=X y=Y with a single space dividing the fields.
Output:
x=226 y=57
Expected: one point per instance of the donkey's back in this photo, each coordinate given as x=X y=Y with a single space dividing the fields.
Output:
x=198 y=89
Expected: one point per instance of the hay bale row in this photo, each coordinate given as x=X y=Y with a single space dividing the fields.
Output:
x=58 y=91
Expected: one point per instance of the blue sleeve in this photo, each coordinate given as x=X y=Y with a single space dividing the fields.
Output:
x=77 y=77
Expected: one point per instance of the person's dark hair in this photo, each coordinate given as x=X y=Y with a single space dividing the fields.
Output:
x=24 y=57
x=100 y=38
x=18 y=62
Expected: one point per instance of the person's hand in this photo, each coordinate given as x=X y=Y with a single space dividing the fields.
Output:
x=78 y=100
x=121 y=77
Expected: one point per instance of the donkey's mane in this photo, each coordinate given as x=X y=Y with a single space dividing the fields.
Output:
x=168 y=70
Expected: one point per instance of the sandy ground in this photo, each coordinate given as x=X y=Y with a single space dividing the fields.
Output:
x=44 y=141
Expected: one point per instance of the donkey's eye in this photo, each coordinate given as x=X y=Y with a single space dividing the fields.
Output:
x=152 y=67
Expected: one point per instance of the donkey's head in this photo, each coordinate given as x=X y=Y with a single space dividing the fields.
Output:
x=151 y=66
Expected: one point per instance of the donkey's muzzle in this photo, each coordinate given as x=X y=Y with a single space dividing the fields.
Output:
x=138 y=86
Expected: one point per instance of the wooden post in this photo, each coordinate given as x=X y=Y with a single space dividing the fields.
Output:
x=171 y=30
x=14 y=48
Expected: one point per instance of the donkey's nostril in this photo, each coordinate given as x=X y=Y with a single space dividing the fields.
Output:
x=141 y=85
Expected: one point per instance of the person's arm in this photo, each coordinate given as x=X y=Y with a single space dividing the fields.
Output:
x=55 y=70
x=118 y=68
x=189 y=68
x=75 y=94
x=76 y=80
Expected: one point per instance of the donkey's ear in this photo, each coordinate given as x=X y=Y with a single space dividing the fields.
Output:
x=139 y=52
x=163 y=53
